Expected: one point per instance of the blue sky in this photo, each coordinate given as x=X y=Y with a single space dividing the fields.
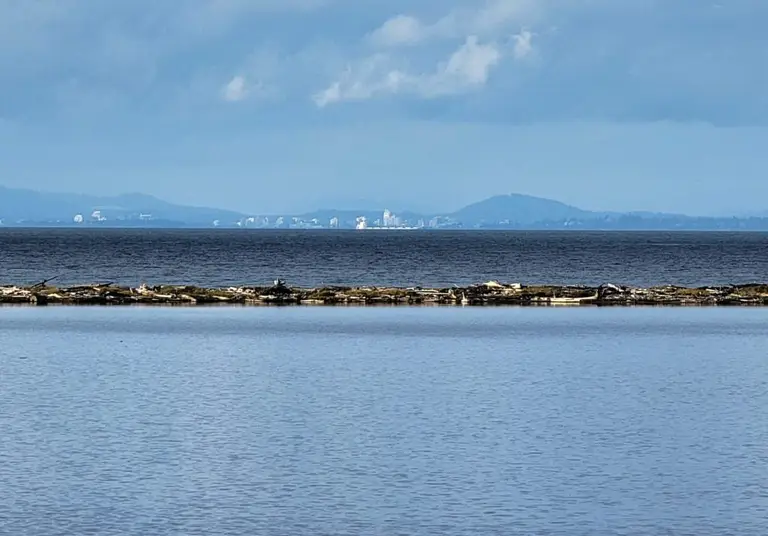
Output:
x=288 y=105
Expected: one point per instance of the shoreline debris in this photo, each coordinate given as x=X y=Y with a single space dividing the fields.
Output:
x=488 y=294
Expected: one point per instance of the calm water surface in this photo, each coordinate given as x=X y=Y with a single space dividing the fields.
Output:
x=137 y=421
x=236 y=257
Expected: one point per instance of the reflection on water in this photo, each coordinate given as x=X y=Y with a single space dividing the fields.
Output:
x=383 y=421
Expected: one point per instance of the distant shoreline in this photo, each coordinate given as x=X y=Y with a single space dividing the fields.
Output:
x=487 y=294
x=514 y=211
x=377 y=231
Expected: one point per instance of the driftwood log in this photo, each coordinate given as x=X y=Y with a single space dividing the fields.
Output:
x=490 y=293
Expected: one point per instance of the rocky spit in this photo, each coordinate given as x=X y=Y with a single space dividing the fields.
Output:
x=490 y=293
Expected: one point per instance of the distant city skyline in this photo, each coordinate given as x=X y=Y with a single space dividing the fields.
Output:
x=28 y=208
x=293 y=105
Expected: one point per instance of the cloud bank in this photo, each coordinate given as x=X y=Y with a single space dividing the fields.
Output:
x=466 y=69
x=493 y=60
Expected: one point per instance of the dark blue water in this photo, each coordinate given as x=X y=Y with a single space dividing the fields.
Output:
x=423 y=422
x=226 y=257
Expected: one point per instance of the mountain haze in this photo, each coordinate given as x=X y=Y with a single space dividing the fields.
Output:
x=28 y=205
x=19 y=207
x=519 y=209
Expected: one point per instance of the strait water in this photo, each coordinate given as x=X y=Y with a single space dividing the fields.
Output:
x=227 y=257
x=317 y=421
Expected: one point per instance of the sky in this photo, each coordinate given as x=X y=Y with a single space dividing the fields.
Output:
x=266 y=106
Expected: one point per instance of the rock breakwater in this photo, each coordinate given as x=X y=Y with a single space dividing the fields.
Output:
x=490 y=293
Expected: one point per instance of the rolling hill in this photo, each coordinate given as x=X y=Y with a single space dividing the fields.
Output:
x=20 y=207
x=519 y=209
x=33 y=206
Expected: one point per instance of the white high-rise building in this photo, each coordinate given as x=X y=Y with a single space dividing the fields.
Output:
x=361 y=223
x=388 y=219
x=334 y=223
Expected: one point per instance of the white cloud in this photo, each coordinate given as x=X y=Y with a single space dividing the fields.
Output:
x=523 y=45
x=371 y=77
x=236 y=90
x=130 y=52
x=489 y=21
x=405 y=38
x=261 y=76
x=399 y=30
x=241 y=88
x=466 y=70
x=470 y=65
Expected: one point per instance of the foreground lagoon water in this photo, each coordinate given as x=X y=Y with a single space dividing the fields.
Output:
x=296 y=421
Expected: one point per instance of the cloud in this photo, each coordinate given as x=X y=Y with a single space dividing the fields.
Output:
x=467 y=69
x=653 y=60
x=373 y=76
x=523 y=45
x=240 y=89
x=235 y=90
x=470 y=65
x=475 y=34
x=130 y=46
x=489 y=21
x=50 y=32
x=399 y=30
x=259 y=76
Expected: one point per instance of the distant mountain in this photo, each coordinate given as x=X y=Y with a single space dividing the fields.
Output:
x=20 y=207
x=513 y=208
x=31 y=206
x=754 y=214
x=519 y=209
